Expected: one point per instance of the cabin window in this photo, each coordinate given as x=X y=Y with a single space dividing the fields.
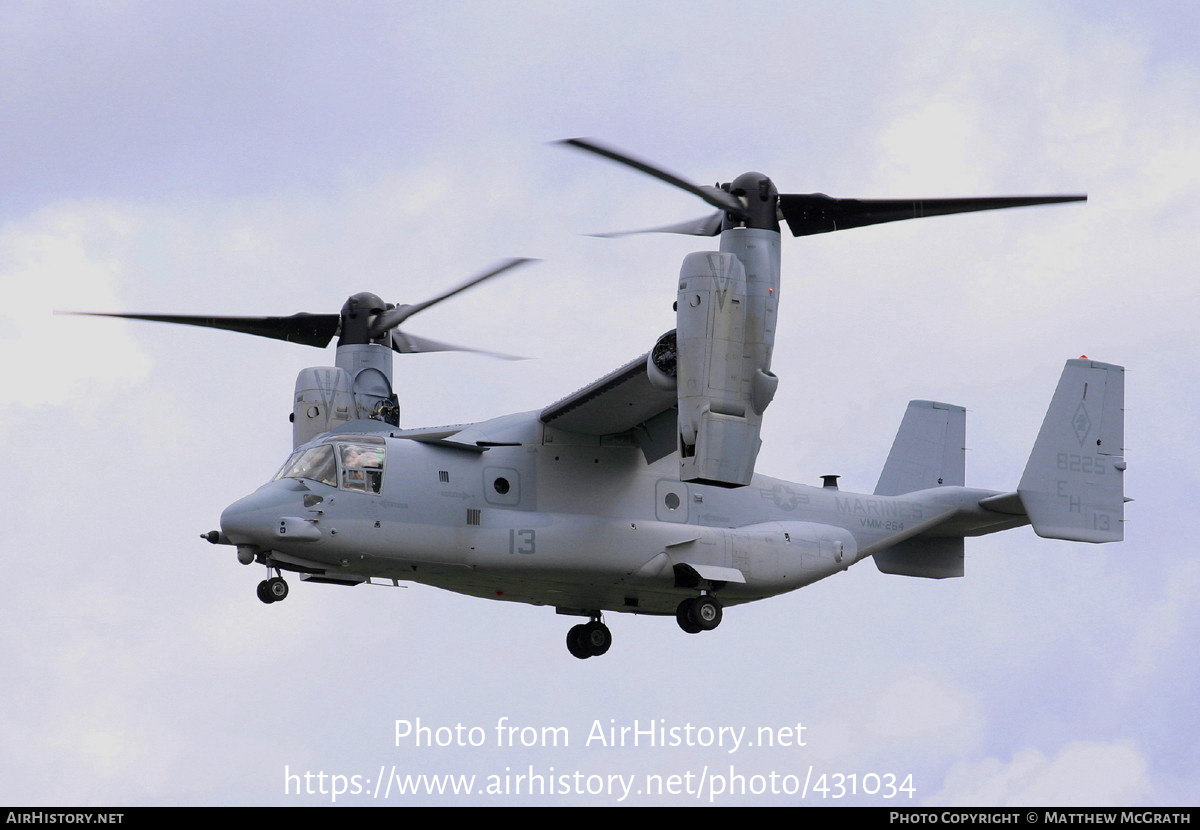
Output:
x=362 y=467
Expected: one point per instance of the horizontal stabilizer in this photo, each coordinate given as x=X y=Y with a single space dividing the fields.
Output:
x=929 y=450
x=1073 y=486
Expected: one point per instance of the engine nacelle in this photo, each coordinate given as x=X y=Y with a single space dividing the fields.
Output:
x=723 y=377
x=358 y=388
x=662 y=364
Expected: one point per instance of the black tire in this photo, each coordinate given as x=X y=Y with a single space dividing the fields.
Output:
x=683 y=616
x=596 y=638
x=575 y=643
x=705 y=613
x=277 y=588
x=263 y=594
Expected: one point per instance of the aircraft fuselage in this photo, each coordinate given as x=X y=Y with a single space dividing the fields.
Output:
x=581 y=528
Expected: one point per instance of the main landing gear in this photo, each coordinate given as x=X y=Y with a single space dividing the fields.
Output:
x=589 y=639
x=273 y=589
x=696 y=614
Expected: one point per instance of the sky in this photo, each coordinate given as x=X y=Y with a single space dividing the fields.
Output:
x=269 y=158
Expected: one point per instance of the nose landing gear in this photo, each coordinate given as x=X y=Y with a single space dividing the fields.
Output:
x=589 y=639
x=273 y=589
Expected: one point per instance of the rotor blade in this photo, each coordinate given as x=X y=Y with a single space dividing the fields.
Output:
x=704 y=226
x=810 y=213
x=412 y=344
x=308 y=329
x=394 y=317
x=714 y=196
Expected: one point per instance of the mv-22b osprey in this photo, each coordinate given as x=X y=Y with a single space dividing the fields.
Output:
x=637 y=493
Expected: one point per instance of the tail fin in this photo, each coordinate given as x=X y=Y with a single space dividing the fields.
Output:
x=1073 y=486
x=929 y=450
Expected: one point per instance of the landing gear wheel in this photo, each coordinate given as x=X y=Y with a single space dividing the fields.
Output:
x=705 y=613
x=263 y=594
x=575 y=643
x=277 y=589
x=596 y=637
x=589 y=639
x=697 y=614
x=683 y=616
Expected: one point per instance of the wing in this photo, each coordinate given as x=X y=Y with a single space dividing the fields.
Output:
x=621 y=401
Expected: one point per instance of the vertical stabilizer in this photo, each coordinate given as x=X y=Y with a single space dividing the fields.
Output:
x=929 y=450
x=1073 y=486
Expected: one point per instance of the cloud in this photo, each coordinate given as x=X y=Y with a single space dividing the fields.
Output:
x=182 y=165
x=1088 y=773
x=66 y=256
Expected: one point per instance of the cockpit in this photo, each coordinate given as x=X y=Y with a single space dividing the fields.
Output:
x=355 y=464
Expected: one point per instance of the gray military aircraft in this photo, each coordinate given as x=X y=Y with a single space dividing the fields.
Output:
x=638 y=493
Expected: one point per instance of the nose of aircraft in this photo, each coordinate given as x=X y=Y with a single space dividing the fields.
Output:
x=253 y=520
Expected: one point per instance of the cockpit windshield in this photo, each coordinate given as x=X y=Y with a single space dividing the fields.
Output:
x=350 y=466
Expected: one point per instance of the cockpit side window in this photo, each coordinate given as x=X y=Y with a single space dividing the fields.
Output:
x=362 y=467
x=315 y=464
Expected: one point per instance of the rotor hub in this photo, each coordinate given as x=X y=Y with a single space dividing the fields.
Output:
x=761 y=200
x=358 y=313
